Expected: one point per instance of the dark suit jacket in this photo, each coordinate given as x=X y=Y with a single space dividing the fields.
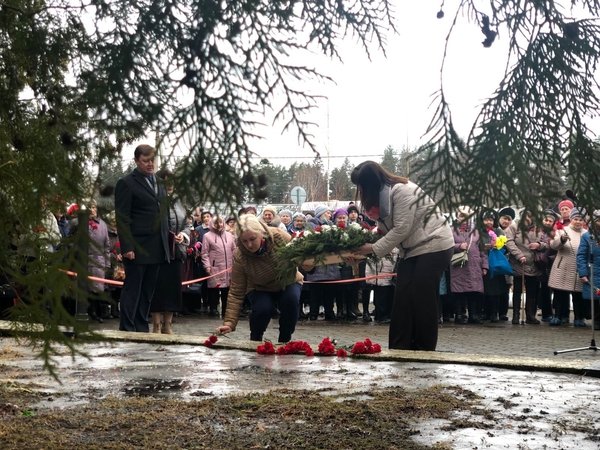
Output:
x=142 y=219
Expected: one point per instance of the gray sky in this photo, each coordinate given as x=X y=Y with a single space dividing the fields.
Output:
x=386 y=101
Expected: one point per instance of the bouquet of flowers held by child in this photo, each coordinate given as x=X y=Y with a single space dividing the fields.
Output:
x=326 y=244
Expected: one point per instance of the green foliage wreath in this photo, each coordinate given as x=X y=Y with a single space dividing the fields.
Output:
x=317 y=244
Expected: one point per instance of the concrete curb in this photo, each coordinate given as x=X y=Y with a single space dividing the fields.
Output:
x=573 y=366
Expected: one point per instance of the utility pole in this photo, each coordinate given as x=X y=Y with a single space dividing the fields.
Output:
x=327 y=148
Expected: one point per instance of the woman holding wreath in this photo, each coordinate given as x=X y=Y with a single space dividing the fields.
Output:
x=410 y=221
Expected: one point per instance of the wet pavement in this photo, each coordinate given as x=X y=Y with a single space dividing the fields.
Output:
x=496 y=344
x=531 y=397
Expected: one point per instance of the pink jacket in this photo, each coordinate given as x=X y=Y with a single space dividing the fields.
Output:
x=217 y=256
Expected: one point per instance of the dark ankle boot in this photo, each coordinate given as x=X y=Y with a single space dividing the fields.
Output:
x=531 y=309
x=516 y=316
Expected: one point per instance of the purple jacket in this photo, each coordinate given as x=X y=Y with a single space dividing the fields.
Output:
x=468 y=278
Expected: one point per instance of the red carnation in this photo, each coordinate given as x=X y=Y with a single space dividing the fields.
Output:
x=208 y=343
x=359 y=348
x=341 y=353
x=341 y=225
x=213 y=338
x=326 y=347
x=266 y=349
x=318 y=228
x=376 y=348
x=281 y=350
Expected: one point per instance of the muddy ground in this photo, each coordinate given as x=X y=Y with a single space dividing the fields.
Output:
x=131 y=395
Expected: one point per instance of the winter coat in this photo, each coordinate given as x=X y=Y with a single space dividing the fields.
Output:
x=468 y=278
x=492 y=285
x=177 y=224
x=254 y=272
x=563 y=275
x=410 y=221
x=384 y=265
x=98 y=252
x=217 y=256
x=517 y=245
x=589 y=247
x=324 y=272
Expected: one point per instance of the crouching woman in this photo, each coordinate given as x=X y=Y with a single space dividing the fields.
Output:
x=254 y=274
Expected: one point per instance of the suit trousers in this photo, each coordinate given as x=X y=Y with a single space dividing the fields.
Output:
x=136 y=296
x=414 y=321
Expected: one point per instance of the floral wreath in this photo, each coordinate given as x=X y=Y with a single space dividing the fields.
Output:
x=318 y=243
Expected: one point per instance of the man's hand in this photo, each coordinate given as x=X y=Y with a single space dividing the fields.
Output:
x=129 y=255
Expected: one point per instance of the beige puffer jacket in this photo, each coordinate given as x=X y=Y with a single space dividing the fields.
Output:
x=563 y=275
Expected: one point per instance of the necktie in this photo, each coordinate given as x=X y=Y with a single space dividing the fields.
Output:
x=152 y=182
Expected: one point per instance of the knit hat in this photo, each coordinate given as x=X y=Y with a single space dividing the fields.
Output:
x=298 y=214
x=269 y=208
x=577 y=212
x=465 y=211
x=340 y=212
x=508 y=211
x=249 y=208
x=285 y=212
x=352 y=208
x=566 y=202
x=550 y=212
x=488 y=213
x=320 y=210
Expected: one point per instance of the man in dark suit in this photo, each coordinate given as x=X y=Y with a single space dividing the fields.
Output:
x=142 y=226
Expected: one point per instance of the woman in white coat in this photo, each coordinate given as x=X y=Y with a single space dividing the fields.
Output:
x=564 y=279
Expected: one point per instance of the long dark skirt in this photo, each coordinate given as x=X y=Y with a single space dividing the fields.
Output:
x=167 y=294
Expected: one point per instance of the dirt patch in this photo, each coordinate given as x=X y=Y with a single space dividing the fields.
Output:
x=133 y=395
x=385 y=418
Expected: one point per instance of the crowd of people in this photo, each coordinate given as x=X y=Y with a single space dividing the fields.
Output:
x=549 y=255
x=160 y=258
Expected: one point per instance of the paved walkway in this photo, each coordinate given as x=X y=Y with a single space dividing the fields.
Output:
x=500 y=344
x=522 y=347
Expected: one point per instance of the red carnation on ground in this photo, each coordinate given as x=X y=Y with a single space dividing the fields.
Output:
x=326 y=347
x=359 y=348
x=365 y=347
x=210 y=341
x=266 y=348
x=341 y=353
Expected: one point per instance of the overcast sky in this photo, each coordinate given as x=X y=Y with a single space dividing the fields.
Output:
x=386 y=101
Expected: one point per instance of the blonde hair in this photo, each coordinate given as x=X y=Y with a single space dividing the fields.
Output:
x=249 y=222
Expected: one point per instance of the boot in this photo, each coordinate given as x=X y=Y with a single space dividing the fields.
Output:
x=516 y=315
x=167 y=324
x=530 y=310
x=474 y=307
x=156 y=322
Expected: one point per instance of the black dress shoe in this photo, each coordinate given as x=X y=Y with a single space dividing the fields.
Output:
x=96 y=318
